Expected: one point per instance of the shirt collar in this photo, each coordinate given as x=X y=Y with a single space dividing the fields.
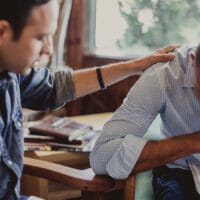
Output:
x=11 y=74
x=188 y=80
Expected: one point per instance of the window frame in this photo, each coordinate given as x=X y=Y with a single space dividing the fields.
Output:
x=90 y=51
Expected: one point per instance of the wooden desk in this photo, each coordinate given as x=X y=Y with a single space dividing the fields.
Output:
x=53 y=191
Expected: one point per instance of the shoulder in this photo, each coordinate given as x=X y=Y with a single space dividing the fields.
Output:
x=182 y=56
x=36 y=75
x=175 y=70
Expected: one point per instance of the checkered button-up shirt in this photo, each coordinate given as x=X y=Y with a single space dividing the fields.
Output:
x=166 y=89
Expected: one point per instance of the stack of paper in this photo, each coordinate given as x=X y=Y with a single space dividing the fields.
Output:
x=196 y=174
x=57 y=133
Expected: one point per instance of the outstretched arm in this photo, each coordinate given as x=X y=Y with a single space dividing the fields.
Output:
x=156 y=153
x=85 y=81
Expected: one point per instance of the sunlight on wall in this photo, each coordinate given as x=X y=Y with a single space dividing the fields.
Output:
x=107 y=27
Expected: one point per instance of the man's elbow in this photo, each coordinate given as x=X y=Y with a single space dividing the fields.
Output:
x=101 y=167
x=97 y=164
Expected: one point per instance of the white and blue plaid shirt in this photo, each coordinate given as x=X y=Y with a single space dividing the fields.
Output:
x=166 y=89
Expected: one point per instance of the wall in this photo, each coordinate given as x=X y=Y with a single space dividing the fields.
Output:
x=76 y=57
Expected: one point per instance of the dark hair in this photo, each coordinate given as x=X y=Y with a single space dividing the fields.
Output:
x=197 y=57
x=16 y=12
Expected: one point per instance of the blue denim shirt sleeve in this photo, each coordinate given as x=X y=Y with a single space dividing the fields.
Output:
x=43 y=90
x=40 y=89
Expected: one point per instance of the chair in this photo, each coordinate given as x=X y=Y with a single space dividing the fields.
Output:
x=72 y=172
x=93 y=187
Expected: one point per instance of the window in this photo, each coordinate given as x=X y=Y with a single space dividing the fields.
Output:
x=130 y=27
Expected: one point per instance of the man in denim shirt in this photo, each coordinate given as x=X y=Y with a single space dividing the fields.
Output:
x=26 y=31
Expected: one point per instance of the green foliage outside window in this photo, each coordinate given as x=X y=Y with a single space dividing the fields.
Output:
x=156 y=23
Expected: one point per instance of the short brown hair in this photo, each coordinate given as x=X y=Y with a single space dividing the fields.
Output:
x=16 y=13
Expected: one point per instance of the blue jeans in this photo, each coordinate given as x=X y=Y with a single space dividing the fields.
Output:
x=23 y=198
x=173 y=184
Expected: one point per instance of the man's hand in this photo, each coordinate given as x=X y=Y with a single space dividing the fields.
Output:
x=160 y=55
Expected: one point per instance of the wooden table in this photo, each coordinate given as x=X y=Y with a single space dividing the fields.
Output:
x=50 y=190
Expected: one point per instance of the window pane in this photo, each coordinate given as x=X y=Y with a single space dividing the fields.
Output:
x=110 y=25
x=135 y=26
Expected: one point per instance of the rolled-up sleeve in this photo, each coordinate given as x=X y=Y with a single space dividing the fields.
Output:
x=121 y=142
x=44 y=90
x=64 y=86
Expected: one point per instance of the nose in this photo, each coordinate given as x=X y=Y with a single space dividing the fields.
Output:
x=47 y=47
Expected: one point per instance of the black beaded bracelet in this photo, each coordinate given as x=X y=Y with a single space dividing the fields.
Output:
x=100 y=79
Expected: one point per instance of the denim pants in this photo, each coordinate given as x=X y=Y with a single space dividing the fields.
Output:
x=23 y=198
x=173 y=184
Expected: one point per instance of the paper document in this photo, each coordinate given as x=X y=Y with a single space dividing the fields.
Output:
x=196 y=174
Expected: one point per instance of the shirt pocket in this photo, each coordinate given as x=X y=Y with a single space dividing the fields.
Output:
x=17 y=139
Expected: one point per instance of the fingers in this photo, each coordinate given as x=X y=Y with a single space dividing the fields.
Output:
x=166 y=57
x=168 y=49
x=164 y=54
x=162 y=57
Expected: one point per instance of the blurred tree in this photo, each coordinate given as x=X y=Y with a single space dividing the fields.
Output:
x=155 y=23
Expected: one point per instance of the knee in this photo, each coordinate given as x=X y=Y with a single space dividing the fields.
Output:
x=164 y=190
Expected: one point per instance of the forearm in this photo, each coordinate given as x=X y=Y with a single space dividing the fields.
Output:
x=86 y=80
x=157 y=153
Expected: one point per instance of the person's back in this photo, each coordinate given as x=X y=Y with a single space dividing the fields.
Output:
x=165 y=89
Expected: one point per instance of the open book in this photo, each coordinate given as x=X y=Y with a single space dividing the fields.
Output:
x=196 y=174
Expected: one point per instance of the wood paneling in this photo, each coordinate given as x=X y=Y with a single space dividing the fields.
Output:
x=74 y=47
x=76 y=34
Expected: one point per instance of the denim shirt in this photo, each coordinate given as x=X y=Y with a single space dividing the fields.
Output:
x=39 y=90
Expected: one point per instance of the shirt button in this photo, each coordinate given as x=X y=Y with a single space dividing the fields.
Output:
x=19 y=124
x=10 y=162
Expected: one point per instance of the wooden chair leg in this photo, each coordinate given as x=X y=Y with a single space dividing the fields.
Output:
x=87 y=195
x=129 y=190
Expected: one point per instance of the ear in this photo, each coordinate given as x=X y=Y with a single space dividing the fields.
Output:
x=192 y=56
x=5 y=30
